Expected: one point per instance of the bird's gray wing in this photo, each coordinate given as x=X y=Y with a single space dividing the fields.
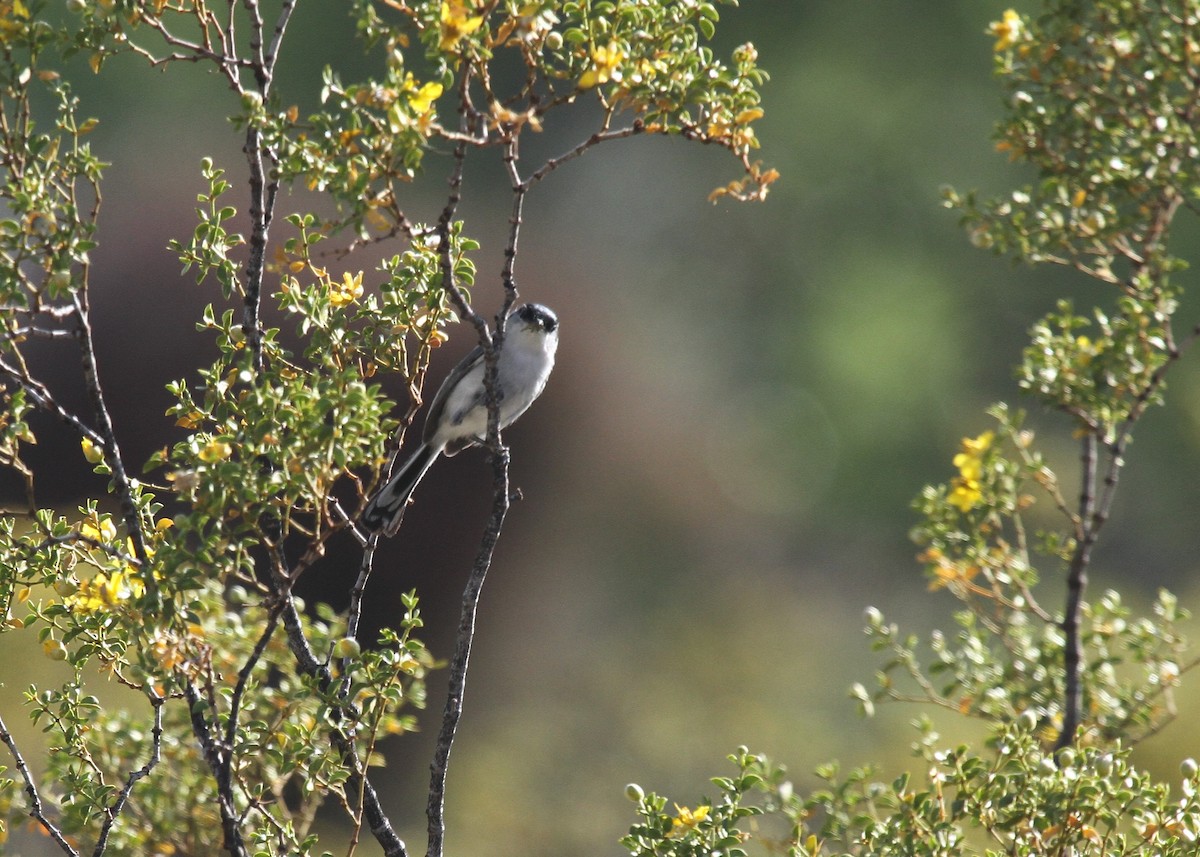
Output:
x=434 y=418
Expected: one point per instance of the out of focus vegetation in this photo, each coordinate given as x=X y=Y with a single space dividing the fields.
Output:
x=718 y=479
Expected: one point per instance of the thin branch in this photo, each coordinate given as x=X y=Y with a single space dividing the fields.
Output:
x=356 y=598
x=519 y=189
x=491 y=345
x=285 y=15
x=1077 y=579
x=460 y=662
x=35 y=800
x=44 y=399
x=239 y=689
x=216 y=755
x=113 y=812
x=357 y=779
x=112 y=451
x=599 y=137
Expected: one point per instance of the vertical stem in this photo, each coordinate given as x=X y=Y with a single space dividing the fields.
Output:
x=104 y=427
x=263 y=184
x=260 y=217
x=491 y=344
x=457 y=685
x=1077 y=580
x=519 y=189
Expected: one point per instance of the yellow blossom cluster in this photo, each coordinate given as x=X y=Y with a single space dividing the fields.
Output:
x=106 y=590
x=1007 y=31
x=347 y=291
x=735 y=131
x=686 y=819
x=604 y=61
x=965 y=490
x=121 y=581
x=458 y=19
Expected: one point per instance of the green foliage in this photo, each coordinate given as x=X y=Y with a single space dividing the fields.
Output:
x=243 y=713
x=1016 y=798
x=1101 y=99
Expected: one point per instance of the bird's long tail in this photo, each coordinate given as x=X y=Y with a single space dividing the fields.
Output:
x=386 y=509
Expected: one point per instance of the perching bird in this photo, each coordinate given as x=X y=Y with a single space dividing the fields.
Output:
x=458 y=416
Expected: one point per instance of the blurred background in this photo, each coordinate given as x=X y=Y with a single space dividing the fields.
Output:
x=717 y=480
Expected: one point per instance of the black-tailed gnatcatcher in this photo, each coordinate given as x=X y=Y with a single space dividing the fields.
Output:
x=458 y=416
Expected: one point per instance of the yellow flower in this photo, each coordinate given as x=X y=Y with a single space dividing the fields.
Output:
x=348 y=291
x=106 y=590
x=1007 y=30
x=687 y=819
x=457 y=21
x=214 y=451
x=969 y=466
x=978 y=444
x=91 y=452
x=422 y=101
x=965 y=494
x=1087 y=350
x=97 y=529
x=604 y=66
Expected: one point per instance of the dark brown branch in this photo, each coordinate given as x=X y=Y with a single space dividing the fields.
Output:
x=599 y=137
x=113 y=812
x=104 y=427
x=1076 y=586
x=357 y=780
x=35 y=801
x=460 y=662
x=491 y=344
x=216 y=756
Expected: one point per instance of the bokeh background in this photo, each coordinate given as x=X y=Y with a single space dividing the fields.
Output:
x=717 y=480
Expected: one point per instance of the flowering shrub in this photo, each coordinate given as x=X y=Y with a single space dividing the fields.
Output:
x=1101 y=104
x=252 y=711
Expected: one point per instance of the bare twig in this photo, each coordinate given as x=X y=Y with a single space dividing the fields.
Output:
x=112 y=451
x=44 y=399
x=1076 y=585
x=599 y=137
x=35 y=801
x=113 y=812
x=216 y=755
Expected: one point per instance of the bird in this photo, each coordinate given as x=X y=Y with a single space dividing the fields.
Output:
x=458 y=416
